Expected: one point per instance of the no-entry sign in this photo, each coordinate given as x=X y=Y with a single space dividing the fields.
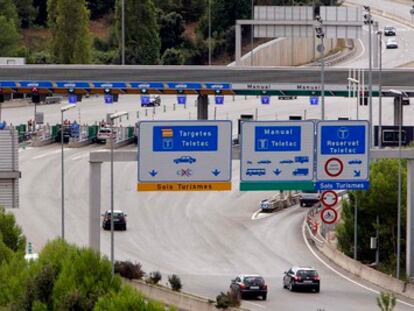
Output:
x=329 y=198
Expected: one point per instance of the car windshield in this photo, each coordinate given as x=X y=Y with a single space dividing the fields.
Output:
x=305 y=273
x=311 y=191
x=253 y=280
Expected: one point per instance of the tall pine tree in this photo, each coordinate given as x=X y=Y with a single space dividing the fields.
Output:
x=68 y=20
x=142 y=40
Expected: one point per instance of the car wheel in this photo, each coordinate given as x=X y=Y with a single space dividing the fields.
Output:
x=124 y=228
x=317 y=289
x=239 y=295
x=291 y=286
x=283 y=283
x=264 y=296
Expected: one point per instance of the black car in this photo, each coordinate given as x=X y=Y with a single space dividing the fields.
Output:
x=302 y=278
x=67 y=134
x=249 y=285
x=119 y=220
x=389 y=31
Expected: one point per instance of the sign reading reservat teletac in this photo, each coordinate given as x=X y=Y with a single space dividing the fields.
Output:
x=184 y=155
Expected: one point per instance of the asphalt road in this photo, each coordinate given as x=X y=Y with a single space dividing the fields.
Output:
x=205 y=238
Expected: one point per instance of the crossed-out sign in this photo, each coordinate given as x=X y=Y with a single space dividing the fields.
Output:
x=329 y=215
x=329 y=199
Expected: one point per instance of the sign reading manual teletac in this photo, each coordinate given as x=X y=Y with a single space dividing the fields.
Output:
x=342 y=155
x=184 y=156
x=277 y=155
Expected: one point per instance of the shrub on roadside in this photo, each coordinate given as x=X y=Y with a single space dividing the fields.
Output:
x=175 y=282
x=227 y=300
x=154 y=277
x=129 y=270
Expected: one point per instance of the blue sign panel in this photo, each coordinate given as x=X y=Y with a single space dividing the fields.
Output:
x=185 y=138
x=218 y=86
x=108 y=99
x=145 y=100
x=265 y=100
x=219 y=99
x=75 y=130
x=145 y=85
x=314 y=100
x=184 y=85
x=73 y=85
x=343 y=139
x=342 y=185
x=42 y=84
x=181 y=99
x=8 y=84
x=115 y=85
x=277 y=138
x=72 y=98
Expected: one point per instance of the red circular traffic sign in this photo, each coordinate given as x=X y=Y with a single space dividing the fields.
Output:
x=334 y=167
x=329 y=198
x=329 y=215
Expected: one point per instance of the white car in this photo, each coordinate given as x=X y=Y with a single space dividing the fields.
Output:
x=104 y=133
x=391 y=44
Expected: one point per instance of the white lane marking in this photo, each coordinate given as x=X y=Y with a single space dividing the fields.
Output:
x=256 y=214
x=339 y=273
x=254 y=304
x=81 y=156
x=46 y=154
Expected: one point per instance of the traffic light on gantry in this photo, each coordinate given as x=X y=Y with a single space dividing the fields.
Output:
x=35 y=95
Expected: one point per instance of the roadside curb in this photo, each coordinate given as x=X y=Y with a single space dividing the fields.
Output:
x=354 y=267
x=184 y=301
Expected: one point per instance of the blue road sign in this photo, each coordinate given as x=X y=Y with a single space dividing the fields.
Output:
x=184 y=151
x=181 y=99
x=314 y=100
x=219 y=99
x=342 y=155
x=265 y=100
x=108 y=99
x=73 y=99
x=75 y=130
x=277 y=151
x=185 y=138
x=145 y=100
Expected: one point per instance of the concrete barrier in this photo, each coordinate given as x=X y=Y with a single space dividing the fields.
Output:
x=181 y=300
x=369 y=274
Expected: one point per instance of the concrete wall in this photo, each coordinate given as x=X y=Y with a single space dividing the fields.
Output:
x=287 y=52
x=181 y=300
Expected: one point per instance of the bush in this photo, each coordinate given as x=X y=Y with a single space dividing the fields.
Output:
x=10 y=232
x=227 y=300
x=129 y=270
x=175 y=282
x=154 y=277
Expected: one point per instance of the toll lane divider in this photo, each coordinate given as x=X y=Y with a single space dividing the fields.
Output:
x=355 y=267
x=181 y=300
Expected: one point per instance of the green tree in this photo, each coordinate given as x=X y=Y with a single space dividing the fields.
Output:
x=26 y=12
x=224 y=13
x=10 y=232
x=386 y=301
x=71 y=42
x=8 y=10
x=142 y=41
x=99 y=8
x=171 y=31
x=13 y=275
x=41 y=9
x=380 y=200
x=172 y=57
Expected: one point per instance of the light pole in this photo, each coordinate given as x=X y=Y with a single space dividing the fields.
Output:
x=400 y=95
x=321 y=49
x=379 y=33
x=209 y=32
x=113 y=117
x=251 y=36
x=62 y=110
x=123 y=30
x=368 y=17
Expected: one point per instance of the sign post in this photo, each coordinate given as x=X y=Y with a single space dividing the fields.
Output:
x=342 y=155
x=277 y=155
x=184 y=156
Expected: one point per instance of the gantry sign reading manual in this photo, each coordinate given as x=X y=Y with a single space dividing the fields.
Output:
x=281 y=155
x=184 y=155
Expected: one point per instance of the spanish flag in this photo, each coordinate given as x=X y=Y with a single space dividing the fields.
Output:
x=168 y=132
